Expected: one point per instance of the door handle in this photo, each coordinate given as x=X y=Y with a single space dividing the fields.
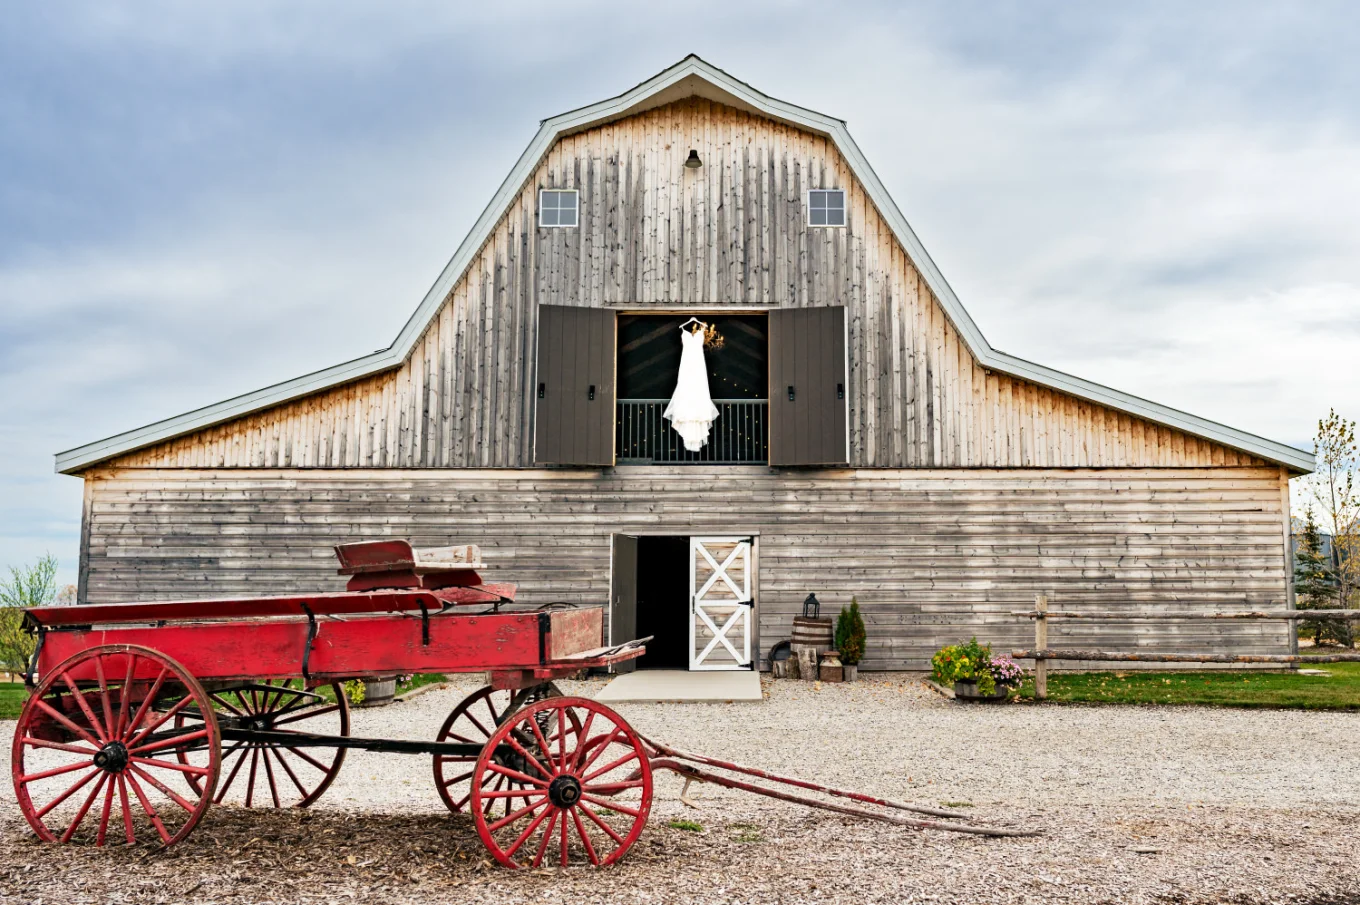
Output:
x=590 y=394
x=840 y=391
x=542 y=390
x=790 y=394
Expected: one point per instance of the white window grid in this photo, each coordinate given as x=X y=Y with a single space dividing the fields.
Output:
x=558 y=208
x=826 y=207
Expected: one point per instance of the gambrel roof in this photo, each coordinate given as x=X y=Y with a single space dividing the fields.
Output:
x=690 y=77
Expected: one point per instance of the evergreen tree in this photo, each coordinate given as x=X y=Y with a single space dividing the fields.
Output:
x=1314 y=586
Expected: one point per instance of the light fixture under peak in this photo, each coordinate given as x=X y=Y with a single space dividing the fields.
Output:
x=692 y=162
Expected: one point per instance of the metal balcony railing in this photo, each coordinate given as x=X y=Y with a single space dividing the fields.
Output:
x=740 y=436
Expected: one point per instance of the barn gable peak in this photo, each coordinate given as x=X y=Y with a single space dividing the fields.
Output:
x=691 y=77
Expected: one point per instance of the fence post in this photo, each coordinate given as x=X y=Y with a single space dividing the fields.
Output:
x=1040 y=647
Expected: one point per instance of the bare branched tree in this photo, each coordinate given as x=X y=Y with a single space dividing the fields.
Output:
x=1332 y=493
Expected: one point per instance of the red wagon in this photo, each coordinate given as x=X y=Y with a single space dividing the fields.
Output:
x=142 y=715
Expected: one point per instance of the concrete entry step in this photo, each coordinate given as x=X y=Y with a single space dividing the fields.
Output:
x=679 y=685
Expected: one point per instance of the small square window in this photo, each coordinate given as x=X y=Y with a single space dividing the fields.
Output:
x=557 y=207
x=826 y=207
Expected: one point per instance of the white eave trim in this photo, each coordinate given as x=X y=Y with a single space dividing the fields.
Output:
x=82 y=457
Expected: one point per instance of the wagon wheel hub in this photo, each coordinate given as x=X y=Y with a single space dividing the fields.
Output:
x=113 y=757
x=564 y=791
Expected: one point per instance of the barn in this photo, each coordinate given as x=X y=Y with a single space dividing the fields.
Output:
x=869 y=442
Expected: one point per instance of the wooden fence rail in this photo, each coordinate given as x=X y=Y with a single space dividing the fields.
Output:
x=1041 y=653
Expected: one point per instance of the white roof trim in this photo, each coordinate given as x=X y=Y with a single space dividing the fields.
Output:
x=744 y=95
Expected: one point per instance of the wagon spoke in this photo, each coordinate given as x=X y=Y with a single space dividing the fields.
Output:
x=85 y=708
x=125 y=696
x=547 y=835
x=491 y=803
x=459 y=778
x=309 y=759
x=55 y=771
x=515 y=793
x=59 y=746
x=585 y=837
x=613 y=765
x=109 y=728
x=227 y=704
x=163 y=788
x=182 y=768
x=515 y=774
x=61 y=718
x=512 y=818
x=146 y=806
x=250 y=782
x=147 y=701
x=580 y=742
x=542 y=744
x=562 y=754
x=564 y=835
x=269 y=774
x=69 y=792
x=127 y=810
x=221 y=793
x=180 y=705
x=104 y=815
x=84 y=808
x=612 y=805
x=302 y=790
x=614 y=788
x=600 y=746
x=601 y=824
x=478 y=723
x=176 y=741
x=303 y=714
x=528 y=831
x=533 y=760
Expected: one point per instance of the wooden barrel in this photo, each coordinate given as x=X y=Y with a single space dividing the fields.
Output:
x=379 y=691
x=809 y=632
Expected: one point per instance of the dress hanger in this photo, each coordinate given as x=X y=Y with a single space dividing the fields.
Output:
x=694 y=320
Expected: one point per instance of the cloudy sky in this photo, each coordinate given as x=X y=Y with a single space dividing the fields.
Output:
x=198 y=200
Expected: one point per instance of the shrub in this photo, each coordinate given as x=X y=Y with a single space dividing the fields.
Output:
x=971 y=662
x=850 y=634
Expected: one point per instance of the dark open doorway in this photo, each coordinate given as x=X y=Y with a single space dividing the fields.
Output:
x=651 y=597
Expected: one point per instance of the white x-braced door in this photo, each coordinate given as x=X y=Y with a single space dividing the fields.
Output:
x=720 y=603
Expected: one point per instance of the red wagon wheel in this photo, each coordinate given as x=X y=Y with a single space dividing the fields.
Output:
x=473 y=721
x=101 y=728
x=583 y=793
x=265 y=775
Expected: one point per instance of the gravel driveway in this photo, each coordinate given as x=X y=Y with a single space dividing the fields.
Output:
x=1239 y=806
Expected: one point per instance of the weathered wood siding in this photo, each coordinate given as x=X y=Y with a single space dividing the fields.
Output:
x=932 y=555
x=654 y=234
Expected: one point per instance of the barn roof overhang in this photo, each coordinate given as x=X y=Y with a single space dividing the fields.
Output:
x=692 y=76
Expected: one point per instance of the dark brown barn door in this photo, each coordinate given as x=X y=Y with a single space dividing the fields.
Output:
x=623 y=596
x=574 y=404
x=807 y=386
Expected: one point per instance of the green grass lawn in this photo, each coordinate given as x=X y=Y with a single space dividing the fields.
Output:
x=12 y=697
x=1338 y=691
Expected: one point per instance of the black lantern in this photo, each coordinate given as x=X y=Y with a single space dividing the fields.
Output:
x=812 y=609
x=692 y=162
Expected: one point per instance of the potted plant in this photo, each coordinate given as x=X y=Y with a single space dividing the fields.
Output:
x=850 y=639
x=973 y=672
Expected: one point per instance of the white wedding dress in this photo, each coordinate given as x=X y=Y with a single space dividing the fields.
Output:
x=691 y=410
